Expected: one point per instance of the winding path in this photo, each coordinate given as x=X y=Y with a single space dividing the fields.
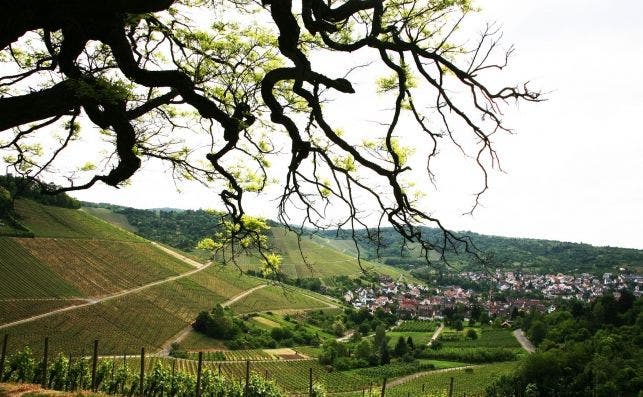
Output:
x=408 y=378
x=93 y=301
x=178 y=338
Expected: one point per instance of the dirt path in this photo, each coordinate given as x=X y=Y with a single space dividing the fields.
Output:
x=524 y=342
x=436 y=334
x=178 y=256
x=93 y=301
x=416 y=375
x=178 y=338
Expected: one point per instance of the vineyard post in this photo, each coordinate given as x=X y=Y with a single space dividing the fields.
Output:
x=199 y=368
x=423 y=388
x=246 y=391
x=44 y=363
x=310 y=382
x=3 y=354
x=111 y=377
x=125 y=371
x=142 y=377
x=363 y=391
x=384 y=387
x=451 y=387
x=173 y=376
x=94 y=362
x=370 y=389
x=219 y=369
x=69 y=373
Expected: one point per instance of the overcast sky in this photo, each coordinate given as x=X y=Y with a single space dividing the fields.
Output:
x=574 y=170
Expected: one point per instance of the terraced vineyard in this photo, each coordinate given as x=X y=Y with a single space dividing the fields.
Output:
x=290 y=375
x=123 y=325
x=98 y=267
x=276 y=298
x=47 y=221
x=470 y=382
x=321 y=261
x=25 y=276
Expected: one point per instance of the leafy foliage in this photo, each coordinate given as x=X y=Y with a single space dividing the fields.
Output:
x=584 y=350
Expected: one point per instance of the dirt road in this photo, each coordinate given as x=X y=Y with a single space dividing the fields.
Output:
x=524 y=342
x=436 y=334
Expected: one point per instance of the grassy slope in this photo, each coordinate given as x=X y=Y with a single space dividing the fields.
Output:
x=320 y=260
x=110 y=216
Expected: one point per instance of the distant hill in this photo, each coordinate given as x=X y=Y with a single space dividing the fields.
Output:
x=534 y=255
x=183 y=229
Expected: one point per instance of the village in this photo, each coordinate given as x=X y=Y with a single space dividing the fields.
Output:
x=508 y=292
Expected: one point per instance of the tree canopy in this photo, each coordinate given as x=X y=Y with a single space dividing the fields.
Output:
x=220 y=89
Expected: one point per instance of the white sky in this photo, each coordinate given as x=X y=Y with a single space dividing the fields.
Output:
x=574 y=170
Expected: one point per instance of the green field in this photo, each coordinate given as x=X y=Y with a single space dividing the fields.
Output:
x=419 y=338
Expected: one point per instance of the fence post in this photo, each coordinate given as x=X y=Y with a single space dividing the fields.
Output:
x=69 y=381
x=3 y=354
x=171 y=393
x=94 y=363
x=142 y=377
x=246 y=391
x=451 y=387
x=310 y=382
x=44 y=363
x=384 y=388
x=199 y=368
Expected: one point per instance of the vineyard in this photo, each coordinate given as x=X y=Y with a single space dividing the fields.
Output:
x=468 y=382
x=320 y=261
x=486 y=337
x=47 y=221
x=417 y=326
x=99 y=267
x=24 y=276
x=277 y=298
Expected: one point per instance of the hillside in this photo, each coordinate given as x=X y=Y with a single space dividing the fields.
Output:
x=84 y=279
x=182 y=229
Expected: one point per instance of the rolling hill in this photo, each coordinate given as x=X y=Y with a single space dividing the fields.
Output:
x=81 y=278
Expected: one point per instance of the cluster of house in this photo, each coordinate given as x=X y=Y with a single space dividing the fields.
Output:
x=419 y=301
x=583 y=287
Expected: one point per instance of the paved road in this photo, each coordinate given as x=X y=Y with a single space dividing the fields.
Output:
x=524 y=342
x=93 y=301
